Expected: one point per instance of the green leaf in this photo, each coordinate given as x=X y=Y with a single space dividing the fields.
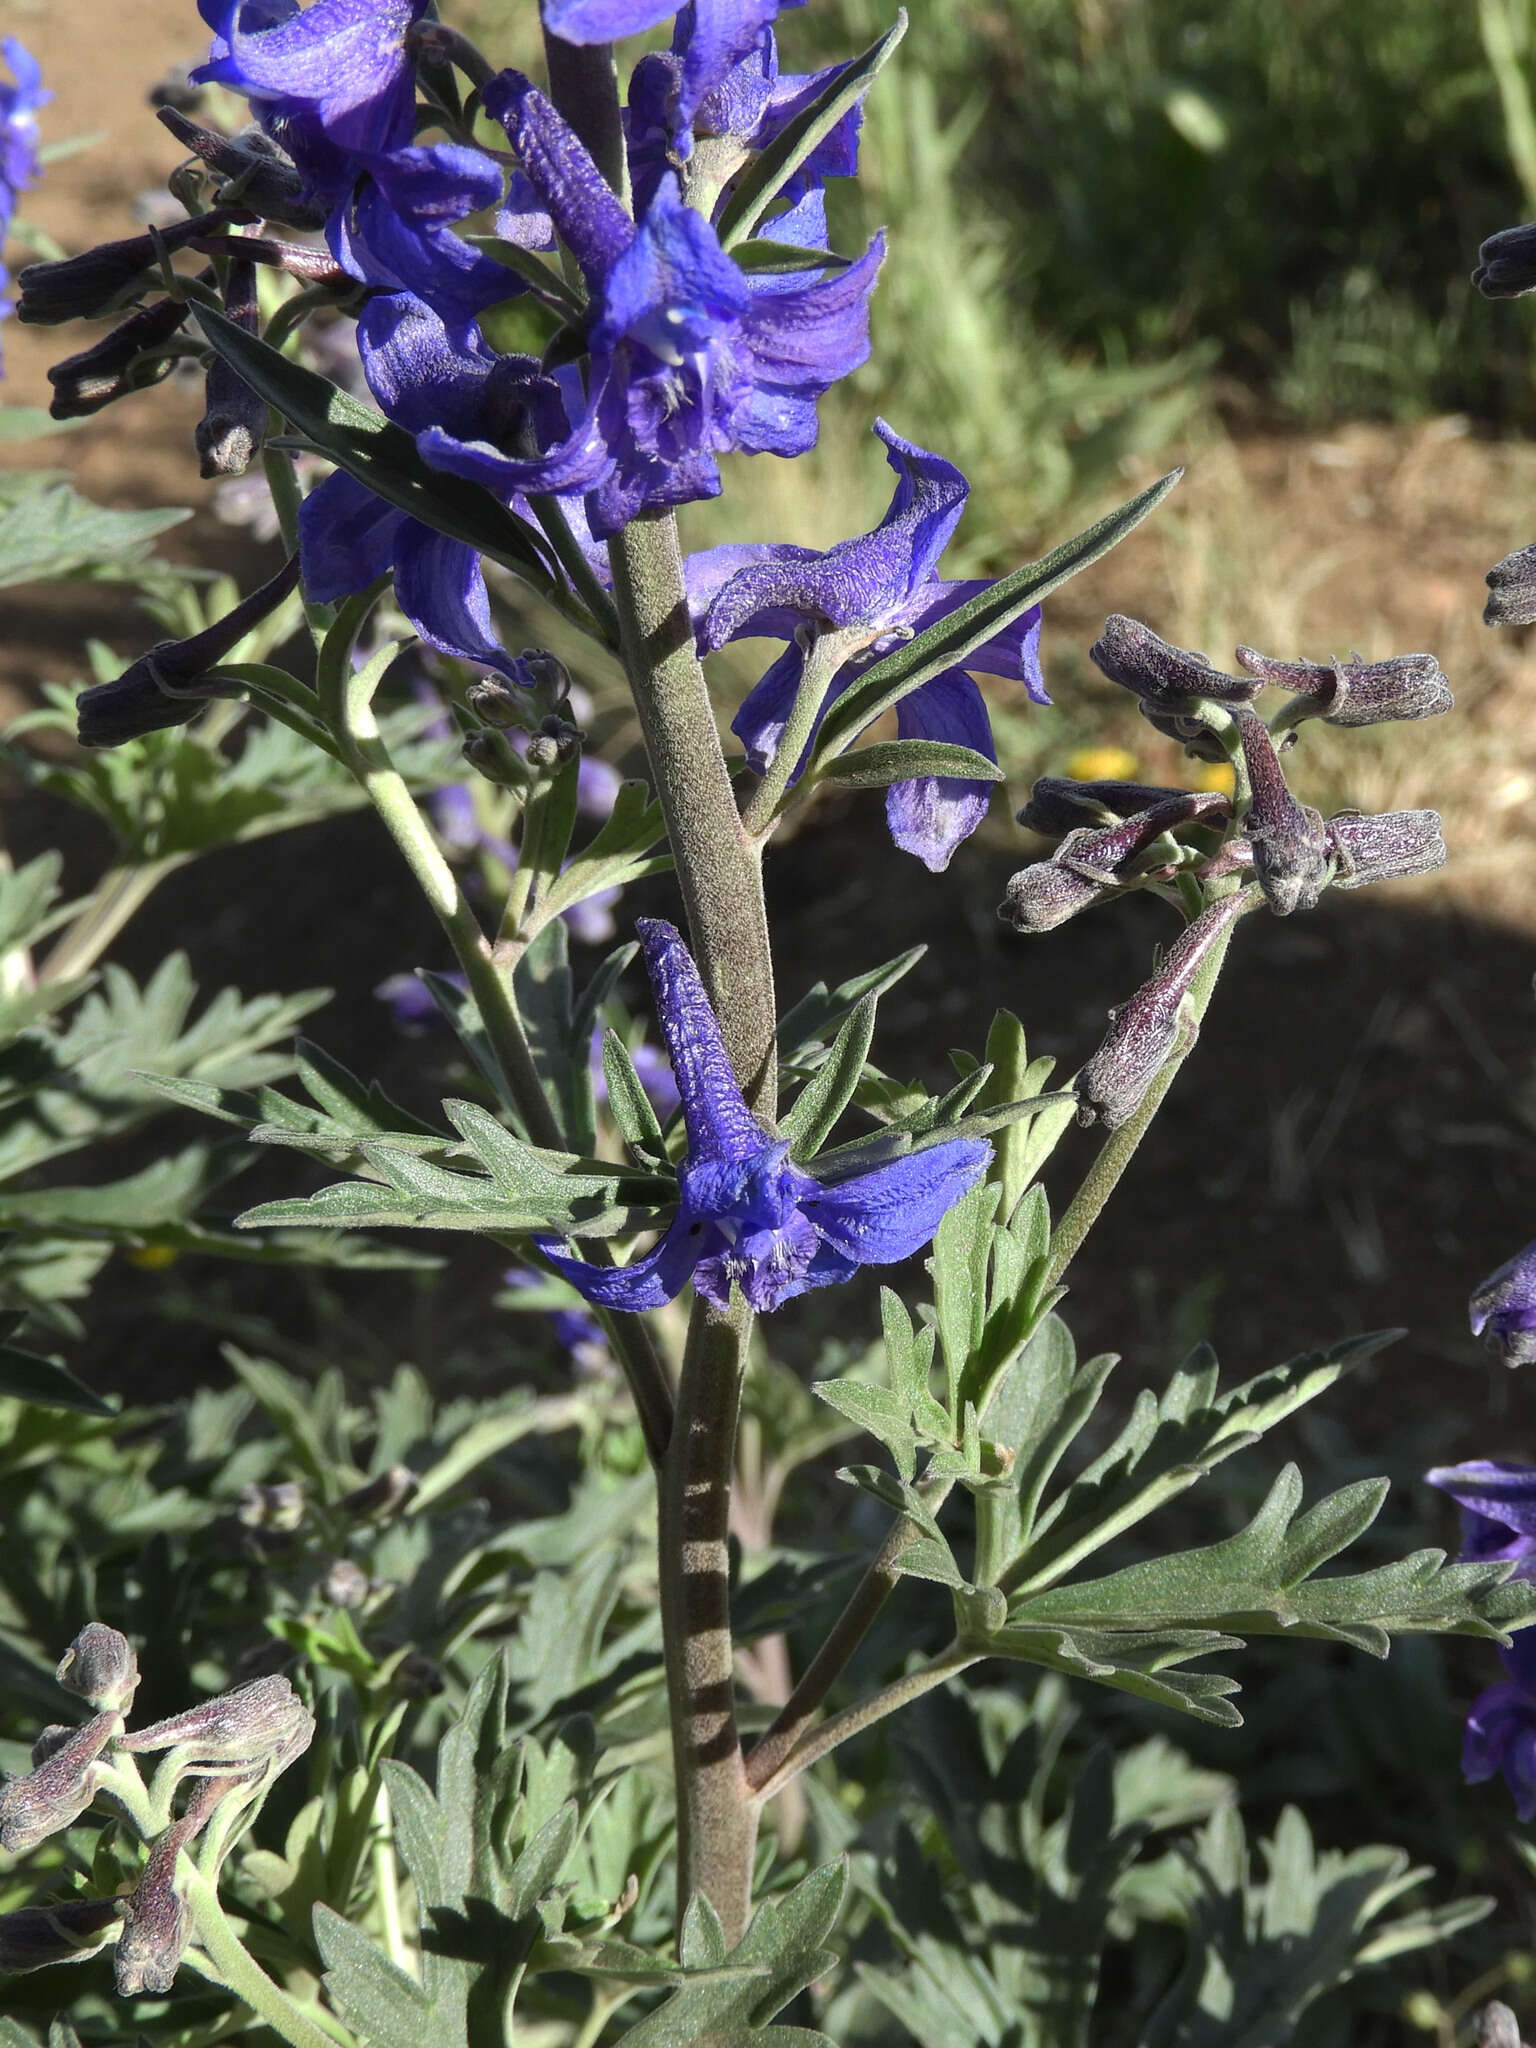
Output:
x=46 y=1383
x=821 y=1102
x=760 y=254
x=888 y=761
x=541 y=277
x=51 y=532
x=629 y=1105
x=961 y=632
x=360 y=440
x=772 y=168
x=959 y=1268
x=385 y=2006
x=878 y=1411
x=821 y=1010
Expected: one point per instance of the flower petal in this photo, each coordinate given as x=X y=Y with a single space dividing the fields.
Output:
x=1499 y=1492
x=931 y=815
x=718 y=1122
x=347 y=537
x=888 y=1214
x=650 y=1282
x=440 y=586
x=589 y=219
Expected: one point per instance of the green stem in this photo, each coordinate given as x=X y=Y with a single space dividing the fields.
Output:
x=716 y=1814
x=819 y=665
x=238 y=1973
x=283 y=483
x=1103 y=1177
x=718 y=865
x=822 y=1740
x=557 y=531
x=119 y=893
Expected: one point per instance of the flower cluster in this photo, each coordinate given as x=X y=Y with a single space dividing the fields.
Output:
x=1214 y=856
x=226 y=1753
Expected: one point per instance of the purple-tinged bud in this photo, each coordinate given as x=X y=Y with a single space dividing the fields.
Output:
x=99 y=1666
x=552 y=745
x=1088 y=864
x=130 y=358
x=101 y=280
x=1356 y=692
x=263 y=178
x=383 y=1496
x=169 y=685
x=158 y=1924
x=263 y=1722
x=66 y=1932
x=58 y=1791
x=1497 y=2027
x=1057 y=805
x=345 y=1584
x=1290 y=849
x=1512 y=590
x=1388 y=846
x=1144 y=1032
x=309 y=266
x=1305 y=678
x=234 y=422
x=1502 y=1311
x=1132 y=655
x=1506 y=266
x=50 y=1740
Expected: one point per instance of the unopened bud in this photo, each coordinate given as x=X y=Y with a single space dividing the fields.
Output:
x=100 y=1666
x=1088 y=864
x=49 y=1741
x=383 y=1496
x=548 y=675
x=1057 y=805
x=345 y=1584
x=1502 y=1311
x=552 y=745
x=158 y=1924
x=130 y=358
x=1497 y=2026
x=1388 y=846
x=1506 y=267
x=492 y=755
x=67 y=1932
x=262 y=177
x=262 y=1722
x=234 y=422
x=419 y=1677
x=1132 y=655
x=1290 y=851
x=1144 y=1032
x=49 y=1798
x=279 y=1507
x=1512 y=590
x=1356 y=692
x=499 y=703
x=169 y=685
x=101 y=280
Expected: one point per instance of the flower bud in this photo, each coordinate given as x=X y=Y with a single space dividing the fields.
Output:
x=1506 y=267
x=498 y=703
x=262 y=1722
x=128 y=359
x=49 y=1798
x=1502 y=1311
x=1356 y=692
x=552 y=745
x=1497 y=2026
x=101 y=280
x=1132 y=655
x=1386 y=847
x=158 y=1924
x=1512 y=590
x=1144 y=1032
x=1057 y=805
x=1290 y=853
x=169 y=685
x=263 y=178
x=548 y=676
x=1088 y=864
x=234 y=421
x=100 y=1666
x=279 y=1508
x=67 y=1932
x=492 y=755
x=345 y=1584
x=382 y=1497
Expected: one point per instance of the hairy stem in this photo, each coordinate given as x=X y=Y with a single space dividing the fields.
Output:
x=716 y=1815
x=718 y=866
x=822 y=1740
x=118 y=894
x=237 y=1972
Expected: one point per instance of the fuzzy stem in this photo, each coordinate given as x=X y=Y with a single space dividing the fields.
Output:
x=238 y=1973
x=716 y=1815
x=821 y=1741
x=118 y=894
x=718 y=866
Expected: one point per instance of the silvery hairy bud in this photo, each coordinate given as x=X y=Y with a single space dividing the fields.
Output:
x=130 y=358
x=1088 y=865
x=501 y=704
x=104 y=279
x=279 y=1507
x=234 y=421
x=309 y=266
x=169 y=685
x=264 y=1722
x=158 y=1923
x=99 y=1666
x=1506 y=267
x=67 y=1932
x=345 y=1584
x=1057 y=805
x=1357 y=692
x=552 y=745
x=1144 y=1032
x=492 y=755
x=261 y=176
x=548 y=677
x=1132 y=655
x=1497 y=2026
x=382 y=1496
x=1512 y=590
x=1290 y=849
x=1388 y=846
x=54 y=1795
x=1502 y=1311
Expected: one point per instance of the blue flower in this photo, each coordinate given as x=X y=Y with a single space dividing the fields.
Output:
x=18 y=134
x=690 y=355
x=1498 y=1509
x=1502 y=1311
x=1500 y=1734
x=747 y=1214
x=873 y=592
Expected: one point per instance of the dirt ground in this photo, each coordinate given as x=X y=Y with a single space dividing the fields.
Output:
x=1351 y=1145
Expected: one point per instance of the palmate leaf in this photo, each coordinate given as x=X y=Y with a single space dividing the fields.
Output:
x=48 y=531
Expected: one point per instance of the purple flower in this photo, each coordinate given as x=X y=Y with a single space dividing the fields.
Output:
x=18 y=134
x=1502 y=1311
x=874 y=592
x=690 y=355
x=1500 y=1734
x=1498 y=1509
x=746 y=1214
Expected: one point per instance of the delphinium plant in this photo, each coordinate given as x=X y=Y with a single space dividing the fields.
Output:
x=569 y=302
